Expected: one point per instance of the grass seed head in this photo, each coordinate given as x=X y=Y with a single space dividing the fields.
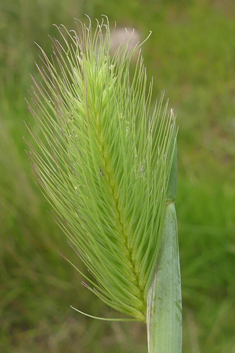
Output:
x=103 y=159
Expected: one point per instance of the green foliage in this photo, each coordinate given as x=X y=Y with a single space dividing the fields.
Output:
x=190 y=54
x=104 y=162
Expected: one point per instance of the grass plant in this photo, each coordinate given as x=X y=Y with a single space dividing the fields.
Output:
x=191 y=55
x=107 y=164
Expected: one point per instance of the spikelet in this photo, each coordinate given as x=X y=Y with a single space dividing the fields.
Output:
x=103 y=161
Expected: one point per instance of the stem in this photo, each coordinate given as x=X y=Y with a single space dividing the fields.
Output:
x=164 y=307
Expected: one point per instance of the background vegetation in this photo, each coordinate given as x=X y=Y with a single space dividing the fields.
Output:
x=191 y=55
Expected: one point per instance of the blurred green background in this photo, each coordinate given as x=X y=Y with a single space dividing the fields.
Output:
x=191 y=55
